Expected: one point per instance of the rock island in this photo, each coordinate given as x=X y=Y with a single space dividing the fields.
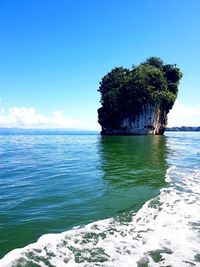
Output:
x=136 y=101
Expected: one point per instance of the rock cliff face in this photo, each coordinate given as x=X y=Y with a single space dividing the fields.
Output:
x=152 y=119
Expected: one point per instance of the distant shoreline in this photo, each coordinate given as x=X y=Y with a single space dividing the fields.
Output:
x=4 y=130
x=184 y=129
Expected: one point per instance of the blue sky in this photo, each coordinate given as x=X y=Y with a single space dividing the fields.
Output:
x=53 y=55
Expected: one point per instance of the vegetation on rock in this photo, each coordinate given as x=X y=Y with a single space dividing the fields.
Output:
x=125 y=91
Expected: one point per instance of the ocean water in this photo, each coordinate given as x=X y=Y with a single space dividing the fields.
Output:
x=84 y=200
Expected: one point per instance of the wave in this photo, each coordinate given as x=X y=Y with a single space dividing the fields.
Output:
x=164 y=232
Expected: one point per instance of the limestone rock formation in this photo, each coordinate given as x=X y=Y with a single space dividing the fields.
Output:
x=137 y=101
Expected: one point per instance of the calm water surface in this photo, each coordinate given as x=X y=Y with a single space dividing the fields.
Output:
x=52 y=183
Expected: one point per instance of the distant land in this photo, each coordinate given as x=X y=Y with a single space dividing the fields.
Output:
x=4 y=130
x=184 y=129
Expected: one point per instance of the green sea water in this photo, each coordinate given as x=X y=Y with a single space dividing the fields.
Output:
x=108 y=201
x=51 y=183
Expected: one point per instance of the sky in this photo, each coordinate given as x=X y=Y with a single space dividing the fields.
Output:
x=53 y=54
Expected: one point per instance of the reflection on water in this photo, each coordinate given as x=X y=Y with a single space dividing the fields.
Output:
x=134 y=169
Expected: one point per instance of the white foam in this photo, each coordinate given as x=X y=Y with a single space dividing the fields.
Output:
x=165 y=231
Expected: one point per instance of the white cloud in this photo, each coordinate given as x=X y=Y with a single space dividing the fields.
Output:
x=182 y=115
x=28 y=117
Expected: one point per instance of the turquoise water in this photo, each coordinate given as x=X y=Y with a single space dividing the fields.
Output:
x=139 y=191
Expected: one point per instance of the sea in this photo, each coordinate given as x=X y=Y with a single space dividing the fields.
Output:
x=82 y=199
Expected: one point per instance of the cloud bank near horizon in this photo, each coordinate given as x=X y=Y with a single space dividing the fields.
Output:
x=29 y=117
x=182 y=115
